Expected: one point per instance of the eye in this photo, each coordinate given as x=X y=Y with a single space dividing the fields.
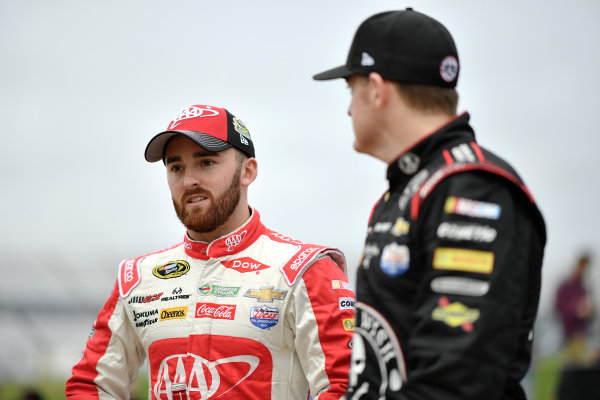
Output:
x=207 y=163
x=175 y=168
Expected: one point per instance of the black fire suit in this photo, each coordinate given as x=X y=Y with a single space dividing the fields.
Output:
x=449 y=281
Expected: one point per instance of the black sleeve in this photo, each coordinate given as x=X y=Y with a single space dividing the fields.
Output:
x=479 y=253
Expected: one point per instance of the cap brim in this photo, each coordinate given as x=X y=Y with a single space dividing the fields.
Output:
x=339 y=72
x=155 y=148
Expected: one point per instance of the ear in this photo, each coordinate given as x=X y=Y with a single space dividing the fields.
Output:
x=379 y=90
x=249 y=171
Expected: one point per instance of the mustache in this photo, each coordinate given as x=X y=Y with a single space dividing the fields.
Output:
x=194 y=192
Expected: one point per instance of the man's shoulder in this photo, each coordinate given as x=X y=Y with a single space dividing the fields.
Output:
x=130 y=269
x=303 y=255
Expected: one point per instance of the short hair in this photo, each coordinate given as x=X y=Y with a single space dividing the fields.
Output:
x=240 y=157
x=429 y=98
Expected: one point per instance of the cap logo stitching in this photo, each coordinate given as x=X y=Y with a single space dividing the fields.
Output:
x=367 y=60
x=449 y=68
x=192 y=112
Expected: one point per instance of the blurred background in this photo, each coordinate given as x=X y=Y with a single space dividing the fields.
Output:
x=84 y=85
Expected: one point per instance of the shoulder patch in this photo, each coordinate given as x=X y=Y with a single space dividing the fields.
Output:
x=305 y=257
x=129 y=271
x=129 y=275
x=448 y=170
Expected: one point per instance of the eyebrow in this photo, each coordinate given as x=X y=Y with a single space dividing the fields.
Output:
x=198 y=154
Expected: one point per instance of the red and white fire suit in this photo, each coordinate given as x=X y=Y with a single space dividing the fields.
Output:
x=252 y=315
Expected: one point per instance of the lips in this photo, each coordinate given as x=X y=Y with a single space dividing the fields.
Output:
x=195 y=198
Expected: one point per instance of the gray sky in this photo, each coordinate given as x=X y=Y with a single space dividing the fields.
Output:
x=85 y=85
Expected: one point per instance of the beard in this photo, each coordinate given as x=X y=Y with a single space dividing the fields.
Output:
x=219 y=211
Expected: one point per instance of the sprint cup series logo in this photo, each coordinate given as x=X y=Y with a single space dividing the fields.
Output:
x=173 y=269
x=205 y=367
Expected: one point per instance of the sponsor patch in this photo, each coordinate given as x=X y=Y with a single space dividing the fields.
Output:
x=455 y=314
x=459 y=285
x=145 y=299
x=173 y=313
x=380 y=227
x=449 y=258
x=145 y=318
x=266 y=294
x=245 y=264
x=215 y=311
x=234 y=240
x=346 y=303
x=264 y=316
x=478 y=261
x=337 y=284
x=466 y=232
x=408 y=163
x=401 y=227
x=172 y=269
x=240 y=127
x=209 y=366
x=411 y=188
x=217 y=290
x=176 y=295
x=370 y=251
x=395 y=259
x=348 y=324
x=472 y=208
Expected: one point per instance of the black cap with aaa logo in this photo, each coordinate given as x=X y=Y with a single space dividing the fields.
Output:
x=403 y=46
x=212 y=128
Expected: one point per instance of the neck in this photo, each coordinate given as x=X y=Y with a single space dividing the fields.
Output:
x=408 y=130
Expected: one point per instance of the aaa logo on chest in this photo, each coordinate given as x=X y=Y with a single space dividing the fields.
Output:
x=172 y=269
x=245 y=264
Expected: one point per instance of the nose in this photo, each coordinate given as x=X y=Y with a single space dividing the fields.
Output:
x=190 y=179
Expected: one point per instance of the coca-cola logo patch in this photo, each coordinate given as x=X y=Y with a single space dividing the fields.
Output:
x=215 y=311
x=264 y=316
x=201 y=367
x=245 y=264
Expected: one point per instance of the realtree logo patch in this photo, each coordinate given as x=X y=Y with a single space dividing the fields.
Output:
x=173 y=269
x=244 y=264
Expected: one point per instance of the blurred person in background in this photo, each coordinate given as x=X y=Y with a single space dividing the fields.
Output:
x=236 y=310
x=575 y=307
x=449 y=283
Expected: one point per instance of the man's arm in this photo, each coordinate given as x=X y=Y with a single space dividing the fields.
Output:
x=323 y=305
x=480 y=254
x=111 y=359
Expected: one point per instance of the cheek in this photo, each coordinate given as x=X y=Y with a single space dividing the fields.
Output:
x=174 y=187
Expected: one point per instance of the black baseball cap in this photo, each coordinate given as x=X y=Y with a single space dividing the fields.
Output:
x=403 y=46
x=212 y=128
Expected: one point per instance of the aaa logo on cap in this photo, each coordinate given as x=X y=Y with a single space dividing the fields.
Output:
x=172 y=269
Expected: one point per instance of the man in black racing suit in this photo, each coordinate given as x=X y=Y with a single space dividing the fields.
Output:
x=449 y=282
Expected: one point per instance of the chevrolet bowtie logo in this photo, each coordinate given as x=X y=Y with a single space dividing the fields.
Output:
x=266 y=294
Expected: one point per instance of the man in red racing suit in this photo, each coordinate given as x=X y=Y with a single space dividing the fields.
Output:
x=246 y=313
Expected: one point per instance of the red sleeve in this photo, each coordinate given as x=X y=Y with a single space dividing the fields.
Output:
x=81 y=384
x=332 y=302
